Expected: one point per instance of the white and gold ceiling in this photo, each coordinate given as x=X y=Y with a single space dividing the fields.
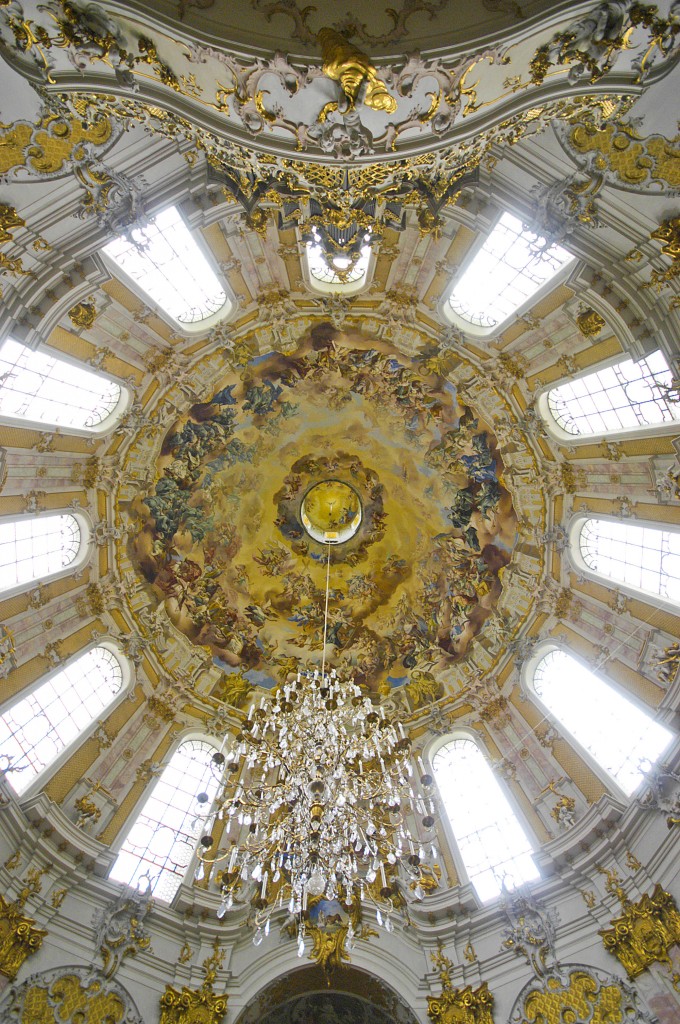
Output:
x=244 y=117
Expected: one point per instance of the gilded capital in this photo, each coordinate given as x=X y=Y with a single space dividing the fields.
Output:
x=19 y=938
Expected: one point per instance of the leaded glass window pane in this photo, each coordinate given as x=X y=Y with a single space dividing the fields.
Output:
x=46 y=389
x=35 y=730
x=36 y=547
x=164 y=259
x=508 y=270
x=646 y=558
x=492 y=843
x=340 y=272
x=617 y=733
x=625 y=396
x=163 y=838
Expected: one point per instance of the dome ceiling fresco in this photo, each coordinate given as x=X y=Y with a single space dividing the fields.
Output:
x=343 y=417
x=294 y=25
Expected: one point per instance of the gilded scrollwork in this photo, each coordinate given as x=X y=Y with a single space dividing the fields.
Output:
x=377 y=110
x=69 y=995
x=620 y=157
x=83 y=314
x=645 y=932
x=19 y=937
x=54 y=145
x=589 y=322
x=196 y=1006
x=590 y=46
x=668 y=233
x=576 y=993
x=458 y=1006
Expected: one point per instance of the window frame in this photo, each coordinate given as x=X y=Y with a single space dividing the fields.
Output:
x=582 y=568
x=127 y=685
x=429 y=754
x=105 y=426
x=82 y=557
x=527 y=683
x=198 y=327
x=131 y=819
x=328 y=288
x=563 y=436
x=487 y=333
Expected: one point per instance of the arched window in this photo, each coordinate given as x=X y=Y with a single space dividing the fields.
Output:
x=162 y=840
x=614 y=730
x=37 y=547
x=37 y=728
x=491 y=841
x=625 y=396
x=339 y=273
x=165 y=261
x=45 y=389
x=644 y=558
x=506 y=272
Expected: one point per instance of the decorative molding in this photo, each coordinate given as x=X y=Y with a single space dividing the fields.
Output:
x=616 y=155
x=120 y=931
x=69 y=995
x=577 y=992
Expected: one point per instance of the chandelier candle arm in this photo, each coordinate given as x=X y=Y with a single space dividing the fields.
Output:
x=323 y=786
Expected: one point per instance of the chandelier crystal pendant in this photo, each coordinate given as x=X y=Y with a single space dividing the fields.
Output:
x=319 y=798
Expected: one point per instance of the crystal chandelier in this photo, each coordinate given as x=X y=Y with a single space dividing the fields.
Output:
x=319 y=798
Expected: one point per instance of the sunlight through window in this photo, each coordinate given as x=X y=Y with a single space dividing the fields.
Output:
x=162 y=840
x=508 y=270
x=491 y=841
x=40 y=387
x=164 y=259
x=35 y=730
x=646 y=558
x=340 y=271
x=618 y=734
x=36 y=548
x=625 y=396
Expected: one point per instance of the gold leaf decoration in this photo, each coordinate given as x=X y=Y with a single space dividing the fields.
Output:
x=9 y=219
x=644 y=932
x=462 y=1006
x=458 y=1006
x=45 y=148
x=589 y=323
x=626 y=158
x=584 y=997
x=19 y=938
x=83 y=314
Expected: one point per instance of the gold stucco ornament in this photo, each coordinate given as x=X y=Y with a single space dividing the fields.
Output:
x=644 y=932
x=83 y=314
x=589 y=323
x=19 y=938
x=458 y=1006
x=196 y=1006
x=350 y=67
